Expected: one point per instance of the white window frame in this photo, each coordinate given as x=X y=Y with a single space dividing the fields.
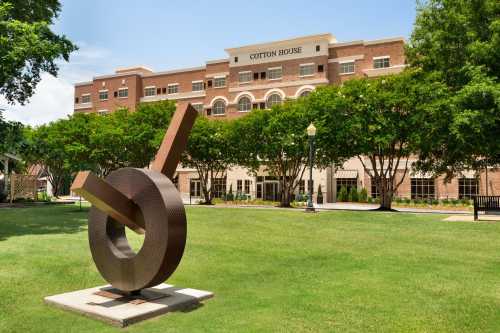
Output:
x=122 y=89
x=86 y=95
x=219 y=78
x=249 y=73
x=381 y=58
x=150 y=87
x=103 y=112
x=197 y=82
x=249 y=99
x=104 y=91
x=172 y=85
x=269 y=97
x=311 y=65
x=213 y=108
x=269 y=70
x=347 y=62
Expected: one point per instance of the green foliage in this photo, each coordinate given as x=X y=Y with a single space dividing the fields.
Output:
x=28 y=47
x=11 y=136
x=343 y=195
x=98 y=143
x=456 y=38
x=353 y=195
x=210 y=152
x=363 y=195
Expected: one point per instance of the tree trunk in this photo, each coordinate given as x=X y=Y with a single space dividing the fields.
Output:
x=385 y=201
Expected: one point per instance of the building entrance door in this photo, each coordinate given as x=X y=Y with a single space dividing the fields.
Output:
x=271 y=191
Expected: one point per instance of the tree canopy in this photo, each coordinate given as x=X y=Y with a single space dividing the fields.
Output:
x=28 y=46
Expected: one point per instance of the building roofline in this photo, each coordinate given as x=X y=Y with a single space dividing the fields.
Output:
x=81 y=84
x=176 y=71
x=369 y=42
x=217 y=61
x=302 y=39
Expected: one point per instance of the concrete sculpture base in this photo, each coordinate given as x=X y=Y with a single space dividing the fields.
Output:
x=109 y=305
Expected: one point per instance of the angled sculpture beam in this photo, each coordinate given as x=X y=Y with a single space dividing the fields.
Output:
x=109 y=200
x=175 y=141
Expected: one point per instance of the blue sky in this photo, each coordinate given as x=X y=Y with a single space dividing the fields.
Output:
x=174 y=34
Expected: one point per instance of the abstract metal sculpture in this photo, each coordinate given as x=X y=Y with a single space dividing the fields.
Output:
x=145 y=201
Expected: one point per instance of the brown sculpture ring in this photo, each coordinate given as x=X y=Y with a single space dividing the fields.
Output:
x=165 y=237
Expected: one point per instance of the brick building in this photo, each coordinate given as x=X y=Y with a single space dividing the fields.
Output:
x=259 y=76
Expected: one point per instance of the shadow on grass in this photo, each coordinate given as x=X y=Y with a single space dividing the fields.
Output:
x=41 y=221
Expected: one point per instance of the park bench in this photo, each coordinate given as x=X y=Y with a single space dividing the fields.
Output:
x=486 y=204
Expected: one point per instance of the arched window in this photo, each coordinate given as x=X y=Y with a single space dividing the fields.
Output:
x=244 y=104
x=305 y=93
x=274 y=99
x=219 y=107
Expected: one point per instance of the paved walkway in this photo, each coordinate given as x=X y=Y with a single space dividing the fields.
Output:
x=365 y=206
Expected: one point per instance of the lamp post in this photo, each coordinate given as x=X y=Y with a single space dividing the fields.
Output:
x=311 y=133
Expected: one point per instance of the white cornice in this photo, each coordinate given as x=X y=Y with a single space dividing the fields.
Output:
x=81 y=84
x=349 y=58
x=369 y=42
x=177 y=71
x=177 y=96
x=279 y=85
x=298 y=40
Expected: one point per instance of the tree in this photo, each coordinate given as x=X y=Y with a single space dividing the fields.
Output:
x=460 y=41
x=276 y=139
x=28 y=47
x=381 y=121
x=128 y=139
x=11 y=136
x=209 y=152
x=456 y=38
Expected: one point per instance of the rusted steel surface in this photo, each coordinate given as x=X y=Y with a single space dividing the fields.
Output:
x=109 y=200
x=175 y=141
x=141 y=200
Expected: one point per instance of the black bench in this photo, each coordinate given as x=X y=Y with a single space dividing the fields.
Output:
x=486 y=204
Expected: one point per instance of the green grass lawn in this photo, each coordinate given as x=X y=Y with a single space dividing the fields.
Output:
x=272 y=270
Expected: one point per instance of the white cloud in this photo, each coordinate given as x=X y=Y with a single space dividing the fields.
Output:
x=53 y=98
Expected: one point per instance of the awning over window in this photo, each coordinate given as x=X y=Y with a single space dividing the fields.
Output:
x=346 y=174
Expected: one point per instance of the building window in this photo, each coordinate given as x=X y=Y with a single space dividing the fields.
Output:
x=302 y=186
x=244 y=104
x=305 y=93
x=422 y=188
x=219 y=108
x=239 y=186
x=307 y=70
x=219 y=82
x=272 y=100
x=102 y=112
x=195 y=188
x=219 y=187
x=173 y=89
x=248 y=182
x=123 y=92
x=198 y=107
x=347 y=67
x=86 y=98
x=275 y=73
x=382 y=62
x=76 y=100
x=149 y=91
x=375 y=193
x=468 y=188
x=197 y=86
x=348 y=183
x=103 y=95
x=245 y=77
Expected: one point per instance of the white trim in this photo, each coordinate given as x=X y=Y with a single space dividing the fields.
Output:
x=349 y=58
x=122 y=88
x=347 y=62
x=197 y=103
x=149 y=87
x=381 y=57
x=104 y=90
x=275 y=91
x=308 y=64
x=102 y=111
x=303 y=89
x=172 y=84
x=273 y=68
x=217 y=98
x=286 y=84
x=217 y=75
x=244 y=72
x=197 y=81
x=88 y=94
x=217 y=61
x=244 y=93
x=176 y=71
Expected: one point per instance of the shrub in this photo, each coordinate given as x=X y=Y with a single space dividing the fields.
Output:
x=407 y=201
x=363 y=195
x=370 y=200
x=343 y=196
x=417 y=201
x=445 y=202
x=353 y=195
x=454 y=202
x=434 y=202
x=398 y=200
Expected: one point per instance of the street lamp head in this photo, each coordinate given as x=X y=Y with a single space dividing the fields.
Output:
x=311 y=130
